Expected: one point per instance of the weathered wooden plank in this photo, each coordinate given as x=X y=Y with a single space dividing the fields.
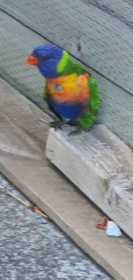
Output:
x=121 y=9
x=117 y=106
x=101 y=166
x=16 y=42
x=116 y=110
x=23 y=130
x=107 y=42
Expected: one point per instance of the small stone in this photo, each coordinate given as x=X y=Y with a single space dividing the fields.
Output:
x=113 y=230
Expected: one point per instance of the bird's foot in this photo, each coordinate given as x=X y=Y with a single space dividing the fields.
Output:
x=77 y=129
x=75 y=132
x=57 y=124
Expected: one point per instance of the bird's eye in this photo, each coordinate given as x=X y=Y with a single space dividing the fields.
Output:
x=57 y=88
x=46 y=57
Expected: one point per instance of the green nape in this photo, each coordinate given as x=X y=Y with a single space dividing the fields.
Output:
x=66 y=66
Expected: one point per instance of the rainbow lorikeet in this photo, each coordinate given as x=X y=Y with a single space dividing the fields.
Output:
x=71 y=93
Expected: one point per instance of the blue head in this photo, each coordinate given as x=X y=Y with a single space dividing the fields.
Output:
x=46 y=58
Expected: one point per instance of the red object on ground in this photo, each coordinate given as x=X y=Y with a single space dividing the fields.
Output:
x=103 y=224
x=35 y=209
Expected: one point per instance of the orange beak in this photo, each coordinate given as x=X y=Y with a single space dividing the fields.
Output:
x=31 y=60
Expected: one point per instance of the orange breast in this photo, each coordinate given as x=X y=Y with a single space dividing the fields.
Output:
x=71 y=88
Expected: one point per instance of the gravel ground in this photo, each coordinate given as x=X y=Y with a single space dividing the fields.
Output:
x=32 y=247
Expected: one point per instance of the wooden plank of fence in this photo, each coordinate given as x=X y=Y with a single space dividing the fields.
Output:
x=23 y=136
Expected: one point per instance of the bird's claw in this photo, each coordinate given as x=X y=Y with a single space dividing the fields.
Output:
x=56 y=124
x=75 y=132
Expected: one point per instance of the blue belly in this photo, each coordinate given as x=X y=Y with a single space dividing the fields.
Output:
x=67 y=110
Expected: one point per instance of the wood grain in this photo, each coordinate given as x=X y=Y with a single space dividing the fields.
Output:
x=107 y=41
x=120 y=9
x=24 y=128
x=101 y=166
x=17 y=41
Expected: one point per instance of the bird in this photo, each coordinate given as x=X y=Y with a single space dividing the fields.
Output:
x=71 y=93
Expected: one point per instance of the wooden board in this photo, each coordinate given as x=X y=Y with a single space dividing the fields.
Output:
x=101 y=166
x=105 y=34
x=23 y=135
x=17 y=41
x=120 y=9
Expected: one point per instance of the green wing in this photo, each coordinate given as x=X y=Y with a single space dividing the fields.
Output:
x=89 y=118
x=94 y=102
